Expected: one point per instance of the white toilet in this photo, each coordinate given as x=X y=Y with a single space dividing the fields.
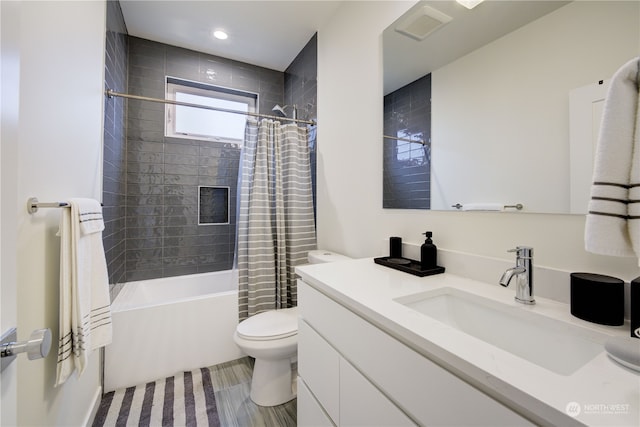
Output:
x=272 y=339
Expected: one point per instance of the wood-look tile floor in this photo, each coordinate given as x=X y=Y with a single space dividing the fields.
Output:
x=232 y=384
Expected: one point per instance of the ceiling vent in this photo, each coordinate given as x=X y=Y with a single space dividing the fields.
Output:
x=422 y=22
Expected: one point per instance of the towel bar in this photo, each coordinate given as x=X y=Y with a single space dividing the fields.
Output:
x=33 y=205
x=517 y=206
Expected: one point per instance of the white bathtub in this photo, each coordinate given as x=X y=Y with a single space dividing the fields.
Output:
x=165 y=326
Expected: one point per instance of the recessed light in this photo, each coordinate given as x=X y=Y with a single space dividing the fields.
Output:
x=220 y=35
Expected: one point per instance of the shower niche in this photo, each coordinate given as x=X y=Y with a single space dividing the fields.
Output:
x=213 y=205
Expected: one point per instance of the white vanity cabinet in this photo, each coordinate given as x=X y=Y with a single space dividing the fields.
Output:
x=362 y=404
x=319 y=369
x=310 y=412
x=353 y=373
x=334 y=392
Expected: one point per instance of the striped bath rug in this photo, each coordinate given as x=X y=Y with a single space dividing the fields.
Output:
x=186 y=399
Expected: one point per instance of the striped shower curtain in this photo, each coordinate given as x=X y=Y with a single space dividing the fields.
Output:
x=276 y=226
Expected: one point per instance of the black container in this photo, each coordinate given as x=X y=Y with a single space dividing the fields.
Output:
x=428 y=253
x=597 y=298
x=395 y=247
x=635 y=307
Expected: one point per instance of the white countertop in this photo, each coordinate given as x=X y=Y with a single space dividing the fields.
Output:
x=602 y=391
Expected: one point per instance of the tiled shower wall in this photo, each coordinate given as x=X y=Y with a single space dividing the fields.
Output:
x=163 y=174
x=407 y=166
x=301 y=80
x=114 y=162
x=151 y=181
x=300 y=89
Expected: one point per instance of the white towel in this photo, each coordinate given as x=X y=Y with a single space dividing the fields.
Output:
x=612 y=224
x=85 y=308
x=90 y=212
x=483 y=207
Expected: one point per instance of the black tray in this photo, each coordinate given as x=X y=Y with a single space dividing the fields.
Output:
x=408 y=266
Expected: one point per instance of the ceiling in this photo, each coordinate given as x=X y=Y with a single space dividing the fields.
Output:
x=271 y=33
x=406 y=59
x=267 y=33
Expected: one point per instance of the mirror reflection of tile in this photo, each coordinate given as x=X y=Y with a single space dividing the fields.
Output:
x=407 y=165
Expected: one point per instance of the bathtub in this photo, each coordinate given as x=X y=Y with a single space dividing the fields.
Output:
x=169 y=325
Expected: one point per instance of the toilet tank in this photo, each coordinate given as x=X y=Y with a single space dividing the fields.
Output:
x=320 y=256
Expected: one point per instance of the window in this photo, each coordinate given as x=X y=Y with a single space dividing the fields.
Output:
x=412 y=153
x=199 y=123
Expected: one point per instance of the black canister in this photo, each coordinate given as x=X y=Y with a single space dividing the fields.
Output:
x=395 y=247
x=597 y=298
x=635 y=307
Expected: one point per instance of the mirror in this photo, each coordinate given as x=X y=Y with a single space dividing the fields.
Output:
x=504 y=77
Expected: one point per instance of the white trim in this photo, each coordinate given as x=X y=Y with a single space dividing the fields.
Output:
x=88 y=419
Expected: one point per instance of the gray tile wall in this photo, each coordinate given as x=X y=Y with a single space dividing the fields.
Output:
x=301 y=81
x=150 y=182
x=301 y=89
x=163 y=236
x=407 y=166
x=114 y=163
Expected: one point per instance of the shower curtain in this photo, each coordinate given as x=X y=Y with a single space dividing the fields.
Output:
x=276 y=225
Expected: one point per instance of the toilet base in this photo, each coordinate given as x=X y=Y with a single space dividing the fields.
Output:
x=271 y=383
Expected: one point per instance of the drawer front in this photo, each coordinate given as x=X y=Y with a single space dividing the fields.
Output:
x=310 y=412
x=428 y=393
x=319 y=367
x=361 y=404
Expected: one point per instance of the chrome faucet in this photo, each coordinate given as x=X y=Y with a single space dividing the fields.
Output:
x=524 y=274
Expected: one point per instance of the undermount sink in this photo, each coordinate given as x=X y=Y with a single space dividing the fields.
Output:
x=552 y=344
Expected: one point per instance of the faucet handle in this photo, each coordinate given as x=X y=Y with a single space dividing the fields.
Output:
x=522 y=251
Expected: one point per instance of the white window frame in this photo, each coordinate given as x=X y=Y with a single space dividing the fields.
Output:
x=174 y=85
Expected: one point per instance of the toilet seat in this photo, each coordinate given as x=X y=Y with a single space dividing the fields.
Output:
x=269 y=325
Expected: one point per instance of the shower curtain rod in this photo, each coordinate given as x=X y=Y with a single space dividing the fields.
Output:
x=417 y=141
x=110 y=93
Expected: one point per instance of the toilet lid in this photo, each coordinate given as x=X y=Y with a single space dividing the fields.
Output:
x=270 y=325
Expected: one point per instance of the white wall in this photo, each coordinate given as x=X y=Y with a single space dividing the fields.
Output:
x=350 y=215
x=349 y=163
x=60 y=156
x=506 y=106
x=9 y=109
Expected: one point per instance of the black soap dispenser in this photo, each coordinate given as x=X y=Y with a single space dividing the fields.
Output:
x=428 y=253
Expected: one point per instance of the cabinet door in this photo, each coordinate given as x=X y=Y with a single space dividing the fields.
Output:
x=319 y=368
x=361 y=404
x=310 y=413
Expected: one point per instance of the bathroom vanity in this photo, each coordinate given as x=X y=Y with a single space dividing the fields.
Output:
x=380 y=347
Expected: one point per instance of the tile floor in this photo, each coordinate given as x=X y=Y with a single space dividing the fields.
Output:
x=231 y=385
